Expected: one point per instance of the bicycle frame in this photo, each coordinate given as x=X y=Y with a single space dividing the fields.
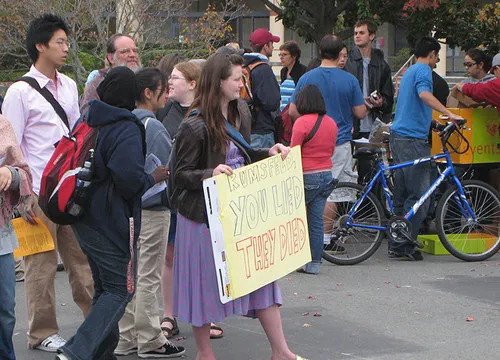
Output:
x=448 y=172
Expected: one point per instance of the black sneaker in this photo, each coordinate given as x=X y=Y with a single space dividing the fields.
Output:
x=334 y=248
x=168 y=350
x=415 y=256
x=394 y=255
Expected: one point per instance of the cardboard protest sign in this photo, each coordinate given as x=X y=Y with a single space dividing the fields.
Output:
x=32 y=239
x=258 y=224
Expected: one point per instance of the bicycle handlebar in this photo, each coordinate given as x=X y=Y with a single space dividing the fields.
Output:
x=445 y=132
x=449 y=127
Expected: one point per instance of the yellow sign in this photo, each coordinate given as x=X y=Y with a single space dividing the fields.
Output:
x=483 y=137
x=258 y=224
x=33 y=239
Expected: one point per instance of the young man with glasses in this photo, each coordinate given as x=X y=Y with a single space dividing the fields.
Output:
x=120 y=51
x=38 y=127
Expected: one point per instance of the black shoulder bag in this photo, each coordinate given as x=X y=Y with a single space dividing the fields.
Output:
x=49 y=97
x=314 y=130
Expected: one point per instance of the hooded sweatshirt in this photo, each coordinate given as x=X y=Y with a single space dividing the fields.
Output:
x=159 y=143
x=119 y=175
x=266 y=94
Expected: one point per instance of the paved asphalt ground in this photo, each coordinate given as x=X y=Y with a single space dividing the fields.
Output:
x=380 y=309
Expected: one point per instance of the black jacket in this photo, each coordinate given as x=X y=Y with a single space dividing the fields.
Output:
x=440 y=88
x=297 y=71
x=120 y=180
x=379 y=77
x=266 y=95
x=195 y=162
x=171 y=116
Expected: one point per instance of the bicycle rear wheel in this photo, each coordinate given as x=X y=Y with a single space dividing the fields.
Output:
x=464 y=237
x=353 y=244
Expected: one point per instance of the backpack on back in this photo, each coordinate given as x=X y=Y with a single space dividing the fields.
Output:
x=64 y=190
x=284 y=126
x=246 y=89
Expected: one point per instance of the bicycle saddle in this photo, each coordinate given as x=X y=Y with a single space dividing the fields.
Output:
x=369 y=151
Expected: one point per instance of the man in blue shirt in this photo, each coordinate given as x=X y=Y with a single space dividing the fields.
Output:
x=409 y=140
x=343 y=99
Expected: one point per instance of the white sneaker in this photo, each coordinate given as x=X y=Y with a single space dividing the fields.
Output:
x=62 y=357
x=51 y=344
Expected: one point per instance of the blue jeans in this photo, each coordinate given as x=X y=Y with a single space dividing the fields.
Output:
x=98 y=335
x=259 y=141
x=7 y=305
x=410 y=184
x=318 y=187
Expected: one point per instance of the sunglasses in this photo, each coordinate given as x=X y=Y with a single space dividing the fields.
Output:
x=469 y=64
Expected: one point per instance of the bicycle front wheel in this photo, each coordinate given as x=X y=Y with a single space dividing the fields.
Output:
x=470 y=237
x=353 y=243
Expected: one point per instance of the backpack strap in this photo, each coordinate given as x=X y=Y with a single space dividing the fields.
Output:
x=255 y=64
x=250 y=67
x=314 y=130
x=49 y=97
x=146 y=123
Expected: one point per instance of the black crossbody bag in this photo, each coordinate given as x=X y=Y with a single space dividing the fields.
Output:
x=314 y=129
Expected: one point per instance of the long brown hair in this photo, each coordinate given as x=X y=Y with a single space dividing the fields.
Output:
x=208 y=95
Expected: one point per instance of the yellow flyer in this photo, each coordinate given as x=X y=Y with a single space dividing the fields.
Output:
x=258 y=224
x=33 y=239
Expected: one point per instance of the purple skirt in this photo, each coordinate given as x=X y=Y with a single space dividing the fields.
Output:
x=196 y=293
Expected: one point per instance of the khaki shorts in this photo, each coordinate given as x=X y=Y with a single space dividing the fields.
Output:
x=342 y=170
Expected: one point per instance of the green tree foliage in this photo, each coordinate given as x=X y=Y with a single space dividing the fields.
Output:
x=462 y=23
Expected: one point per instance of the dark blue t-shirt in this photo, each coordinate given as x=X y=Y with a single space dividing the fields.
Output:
x=341 y=93
x=413 y=117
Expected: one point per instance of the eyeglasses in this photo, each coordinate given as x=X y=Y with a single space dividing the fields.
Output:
x=173 y=77
x=283 y=54
x=61 y=42
x=128 y=50
x=469 y=64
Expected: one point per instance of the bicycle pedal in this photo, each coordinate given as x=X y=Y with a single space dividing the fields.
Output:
x=418 y=244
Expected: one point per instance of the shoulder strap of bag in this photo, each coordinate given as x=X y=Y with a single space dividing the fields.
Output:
x=234 y=134
x=146 y=123
x=49 y=97
x=314 y=129
x=250 y=67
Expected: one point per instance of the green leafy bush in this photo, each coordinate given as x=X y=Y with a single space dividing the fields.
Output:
x=399 y=60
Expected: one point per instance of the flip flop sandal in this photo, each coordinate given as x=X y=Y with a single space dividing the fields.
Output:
x=217 y=328
x=297 y=357
x=169 y=333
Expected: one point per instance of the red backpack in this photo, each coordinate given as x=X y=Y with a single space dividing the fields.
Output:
x=285 y=126
x=64 y=189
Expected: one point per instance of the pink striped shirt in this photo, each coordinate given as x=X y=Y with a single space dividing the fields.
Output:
x=35 y=122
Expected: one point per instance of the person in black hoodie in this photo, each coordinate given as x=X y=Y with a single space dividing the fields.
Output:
x=109 y=230
x=265 y=88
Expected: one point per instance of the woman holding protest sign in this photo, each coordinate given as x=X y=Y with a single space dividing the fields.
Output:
x=182 y=84
x=208 y=144
x=316 y=133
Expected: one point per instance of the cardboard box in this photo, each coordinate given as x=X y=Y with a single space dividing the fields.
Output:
x=483 y=136
x=470 y=243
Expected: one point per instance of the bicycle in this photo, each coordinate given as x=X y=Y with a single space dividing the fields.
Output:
x=467 y=214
